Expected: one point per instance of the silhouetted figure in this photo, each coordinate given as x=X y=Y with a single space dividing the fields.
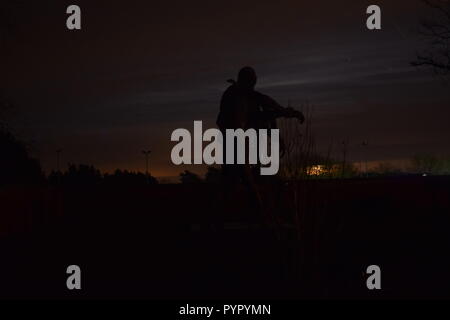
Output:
x=243 y=107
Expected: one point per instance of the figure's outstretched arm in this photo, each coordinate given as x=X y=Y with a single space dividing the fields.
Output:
x=275 y=110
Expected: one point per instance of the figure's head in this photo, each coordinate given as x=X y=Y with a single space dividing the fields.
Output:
x=247 y=78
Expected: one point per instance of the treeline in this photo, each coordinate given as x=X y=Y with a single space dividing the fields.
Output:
x=88 y=175
x=17 y=167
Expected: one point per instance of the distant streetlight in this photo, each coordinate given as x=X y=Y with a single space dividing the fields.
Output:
x=58 y=158
x=365 y=143
x=344 y=155
x=146 y=153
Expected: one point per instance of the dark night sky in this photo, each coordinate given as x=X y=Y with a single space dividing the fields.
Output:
x=139 y=69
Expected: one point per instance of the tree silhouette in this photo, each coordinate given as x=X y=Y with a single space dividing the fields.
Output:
x=127 y=178
x=16 y=166
x=437 y=30
x=213 y=175
x=188 y=177
x=83 y=174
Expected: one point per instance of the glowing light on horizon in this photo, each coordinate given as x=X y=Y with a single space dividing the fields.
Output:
x=316 y=170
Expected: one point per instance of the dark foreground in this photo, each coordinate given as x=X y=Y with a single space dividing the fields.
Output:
x=181 y=241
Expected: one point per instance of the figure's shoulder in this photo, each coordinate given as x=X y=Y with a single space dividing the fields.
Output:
x=232 y=88
x=231 y=91
x=235 y=92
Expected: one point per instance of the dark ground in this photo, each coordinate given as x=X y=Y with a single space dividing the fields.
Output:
x=182 y=241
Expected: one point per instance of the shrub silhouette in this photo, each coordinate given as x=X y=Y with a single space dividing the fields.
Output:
x=424 y=163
